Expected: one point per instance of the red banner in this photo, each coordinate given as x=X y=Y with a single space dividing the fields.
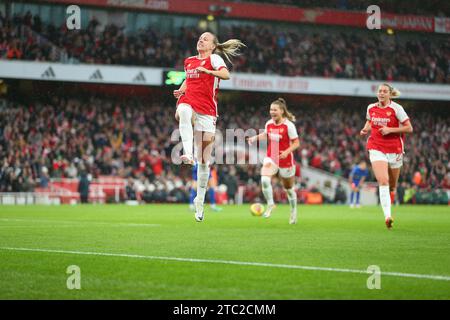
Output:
x=334 y=17
x=140 y=4
x=270 y=12
x=414 y=23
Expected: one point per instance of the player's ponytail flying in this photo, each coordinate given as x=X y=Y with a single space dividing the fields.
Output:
x=229 y=48
x=283 y=106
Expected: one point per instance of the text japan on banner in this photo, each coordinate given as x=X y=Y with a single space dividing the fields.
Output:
x=442 y=25
x=413 y=23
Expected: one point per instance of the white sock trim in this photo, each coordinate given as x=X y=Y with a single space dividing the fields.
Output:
x=267 y=190
x=186 y=130
x=202 y=181
x=385 y=200
x=292 y=197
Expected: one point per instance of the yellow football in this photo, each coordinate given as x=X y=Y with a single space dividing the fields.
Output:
x=257 y=209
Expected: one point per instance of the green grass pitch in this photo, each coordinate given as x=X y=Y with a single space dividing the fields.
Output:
x=160 y=252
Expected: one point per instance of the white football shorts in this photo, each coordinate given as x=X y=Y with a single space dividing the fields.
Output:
x=202 y=122
x=394 y=160
x=284 y=172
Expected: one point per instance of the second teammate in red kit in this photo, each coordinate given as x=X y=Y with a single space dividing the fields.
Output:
x=197 y=105
x=282 y=139
x=387 y=121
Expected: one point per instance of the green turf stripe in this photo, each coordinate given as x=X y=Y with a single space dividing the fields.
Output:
x=241 y=263
x=82 y=222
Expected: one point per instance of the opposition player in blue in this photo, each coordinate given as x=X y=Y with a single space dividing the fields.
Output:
x=356 y=179
x=212 y=182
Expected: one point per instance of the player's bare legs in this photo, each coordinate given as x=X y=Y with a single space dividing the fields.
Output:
x=394 y=173
x=184 y=114
x=355 y=194
x=267 y=171
x=381 y=172
x=205 y=143
x=288 y=184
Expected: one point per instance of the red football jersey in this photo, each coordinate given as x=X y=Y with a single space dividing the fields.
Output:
x=201 y=88
x=390 y=116
x=279 y=138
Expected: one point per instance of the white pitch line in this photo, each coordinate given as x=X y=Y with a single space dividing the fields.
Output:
x=83 y=222
x=240 y=263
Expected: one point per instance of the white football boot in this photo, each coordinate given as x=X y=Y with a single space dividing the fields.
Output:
x=198 y=210
x=293 y=217
x=268 y=211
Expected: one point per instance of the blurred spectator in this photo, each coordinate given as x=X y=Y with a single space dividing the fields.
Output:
x=401 y=189
x=230 y=180
x=44 y=178
x=327 y=192
x=83 y=187
x=410 y=193
x=340 y=195
x=130 y=190
x=13 y=52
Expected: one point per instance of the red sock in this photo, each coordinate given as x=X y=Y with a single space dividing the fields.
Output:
x=392 y=197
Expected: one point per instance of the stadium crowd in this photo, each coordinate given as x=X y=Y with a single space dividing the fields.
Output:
x=68 y=137
x=292 y=52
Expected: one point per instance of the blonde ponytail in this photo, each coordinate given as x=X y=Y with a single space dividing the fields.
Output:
x=395 y=93
x=286 y=113
x=229 y=48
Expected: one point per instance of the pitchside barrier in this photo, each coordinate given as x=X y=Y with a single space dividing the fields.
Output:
x=65 y=191
x=148 y=76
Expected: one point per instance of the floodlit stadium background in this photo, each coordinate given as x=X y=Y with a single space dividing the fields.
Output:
x=96 y=105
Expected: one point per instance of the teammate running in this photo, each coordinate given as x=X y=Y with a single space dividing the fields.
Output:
x=282 y=139
x=387 y=121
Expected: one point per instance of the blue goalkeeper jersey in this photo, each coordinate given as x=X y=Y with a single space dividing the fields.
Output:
x=357 y=174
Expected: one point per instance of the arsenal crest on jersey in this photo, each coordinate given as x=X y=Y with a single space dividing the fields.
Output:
x=388 y=113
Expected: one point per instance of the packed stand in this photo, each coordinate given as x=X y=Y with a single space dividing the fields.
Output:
x=68 y=137
x=342 y=55
x=295 y=52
